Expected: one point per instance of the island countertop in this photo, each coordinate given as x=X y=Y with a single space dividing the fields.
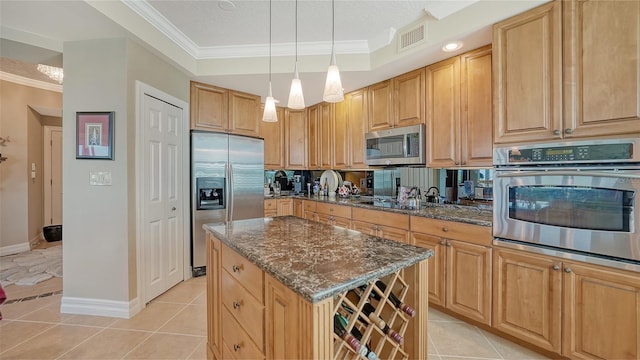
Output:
x=315 y=260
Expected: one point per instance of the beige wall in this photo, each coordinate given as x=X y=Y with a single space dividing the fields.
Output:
x=21 y=202
x=99 y=221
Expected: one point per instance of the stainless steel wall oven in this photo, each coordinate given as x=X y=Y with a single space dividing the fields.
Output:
x=579 y=197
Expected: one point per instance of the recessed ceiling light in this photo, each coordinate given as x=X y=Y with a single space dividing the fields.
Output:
x=452 y=46
x=226 y=5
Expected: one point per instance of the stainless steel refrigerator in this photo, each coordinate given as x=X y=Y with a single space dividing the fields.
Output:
x=227 y=181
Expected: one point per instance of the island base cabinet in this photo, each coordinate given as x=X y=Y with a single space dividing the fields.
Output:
x=601 y=311
x=214 y=303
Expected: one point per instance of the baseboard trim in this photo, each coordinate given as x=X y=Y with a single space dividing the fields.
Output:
x=100 y=307
x=14 y=249
x=36 y=240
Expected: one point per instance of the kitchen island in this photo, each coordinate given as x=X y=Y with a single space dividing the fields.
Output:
x=275 y=284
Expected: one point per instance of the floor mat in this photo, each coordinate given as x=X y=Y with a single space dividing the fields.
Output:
x=31 y=267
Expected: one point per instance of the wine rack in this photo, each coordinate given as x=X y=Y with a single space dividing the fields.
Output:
x=351 y=308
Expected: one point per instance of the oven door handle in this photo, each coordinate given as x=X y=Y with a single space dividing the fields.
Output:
x=569 y=173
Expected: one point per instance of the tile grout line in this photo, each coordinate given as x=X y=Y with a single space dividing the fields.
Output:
x=29 y=338
x=490 y=343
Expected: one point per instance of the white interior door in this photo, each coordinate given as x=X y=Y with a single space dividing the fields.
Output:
x=163 y=236
x=53 y=175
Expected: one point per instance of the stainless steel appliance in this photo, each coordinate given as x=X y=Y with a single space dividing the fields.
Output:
x=227 y=174
x=578 y=197
x=398 y=146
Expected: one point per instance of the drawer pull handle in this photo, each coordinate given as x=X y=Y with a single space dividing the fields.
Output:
x=236 y=304
x=443 y=242
x=556 y=267
x=445 y=229
x=236 y=268
x=567 y=270
x=236 y=347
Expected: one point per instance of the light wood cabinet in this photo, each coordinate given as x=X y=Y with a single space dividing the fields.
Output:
x=313 y=131
x=214 y=325
x=601 y=42
x=459 y=113
x=217 y=109
x=380 y=223
x=380 y=106
x=555 y=75
x=298 y=209
x=461 y=265
x=282 y=321
x=273 y=134
x=285 y=207
x=270 y=207
x=408 y=101
x=349 y=129
x=295 y=135
x=326 y=142
x=278 y=207
x=332 y=214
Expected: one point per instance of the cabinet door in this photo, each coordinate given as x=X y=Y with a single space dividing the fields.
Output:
x=341 y=222
x=340 y=136
x=364 y=227
x=324 y=219
x=273 y=134
x=469 y=280
x=443 y=113
x=243 y=113
x=601 y=311
x=436 y=265
x=298 y=210
x=326 y=135
x=601 y=67
x=208 y=107
x=285 y=207
x=357 y=118
x=282 y=321
x=527 y=291
x=214 y=299
x=527 y=79
x=295 y=122
x=395 y=234
x=310 y=215
x=380 y=109
x=409 y=98
x=313 y=116
x=270 y=207
x=476 y=116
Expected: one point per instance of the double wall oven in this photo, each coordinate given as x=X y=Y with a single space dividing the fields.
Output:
x=574 y=199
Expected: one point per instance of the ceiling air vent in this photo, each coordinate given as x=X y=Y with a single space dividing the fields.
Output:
x=412 y=37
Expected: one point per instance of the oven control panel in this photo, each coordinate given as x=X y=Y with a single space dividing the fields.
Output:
x=613 y=151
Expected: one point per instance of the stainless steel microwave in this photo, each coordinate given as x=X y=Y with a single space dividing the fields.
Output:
x=398 y=146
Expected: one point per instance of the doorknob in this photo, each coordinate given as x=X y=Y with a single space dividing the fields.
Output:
x=173 y=208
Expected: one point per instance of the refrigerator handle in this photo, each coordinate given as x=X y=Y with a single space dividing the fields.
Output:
x=229 y=170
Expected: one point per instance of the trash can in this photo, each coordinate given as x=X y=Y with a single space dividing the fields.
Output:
x=52 y=233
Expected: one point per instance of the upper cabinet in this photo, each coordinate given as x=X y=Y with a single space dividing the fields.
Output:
x=567 y=69
x=320 y=131
x=348 y=131
x=295 y=134
x=313 y=132
x=274 y=141
x=218 y=109
x=459 y=114
x=397 y=102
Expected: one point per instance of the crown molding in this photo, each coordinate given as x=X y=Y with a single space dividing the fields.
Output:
x=30 y=82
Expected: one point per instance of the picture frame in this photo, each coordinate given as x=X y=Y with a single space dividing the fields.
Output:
x=94 y=135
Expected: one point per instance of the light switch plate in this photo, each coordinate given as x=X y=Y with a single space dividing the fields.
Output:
x=100 y=178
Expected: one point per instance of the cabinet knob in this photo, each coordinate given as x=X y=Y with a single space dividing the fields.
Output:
x=567 y=270
x=464 y=163
x=236 y=304
x=457 y=163
x=448 y=243
x=568 y=131
x=236 y=268
x=556 y=132
x=443 y=242
x=445 y=229
x=236 y=347
x=556 y=267
x=173 y=208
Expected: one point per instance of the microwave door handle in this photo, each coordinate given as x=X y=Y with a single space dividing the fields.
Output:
x=406 y=145
x=569 y=173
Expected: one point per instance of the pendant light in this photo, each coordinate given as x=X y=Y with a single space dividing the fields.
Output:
x=296 y=97
x=270 y=114
x=333 y=86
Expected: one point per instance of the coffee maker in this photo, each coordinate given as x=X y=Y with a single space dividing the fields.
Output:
x=298 y=184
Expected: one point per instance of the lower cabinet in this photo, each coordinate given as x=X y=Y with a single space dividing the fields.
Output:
x=270 y=207
x=298 y=209
x=331 y=214
x=278 y=207
x=575 y=309
x=214 y=330
x=460 y=270
x=282 y=320
x=379 y=223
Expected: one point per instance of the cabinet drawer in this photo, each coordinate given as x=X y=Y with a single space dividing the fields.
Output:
x=475 y=234
x=335 y=210
x=309 y=205
x=236 y=343
x=247 y=274
x=248 y=311
x=384 y=218
x=270 y=204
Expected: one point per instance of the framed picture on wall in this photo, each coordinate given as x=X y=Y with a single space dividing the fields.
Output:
x=94 y=135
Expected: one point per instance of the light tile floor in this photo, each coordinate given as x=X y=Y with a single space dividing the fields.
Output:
x=174 y=327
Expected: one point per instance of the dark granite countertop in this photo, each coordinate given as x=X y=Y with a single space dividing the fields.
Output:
x=459 y=213
x=315 y=260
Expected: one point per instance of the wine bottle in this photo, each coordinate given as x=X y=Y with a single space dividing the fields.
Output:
x=341 y=331
x=369 y=311
x=394 y=300
x=364 y=351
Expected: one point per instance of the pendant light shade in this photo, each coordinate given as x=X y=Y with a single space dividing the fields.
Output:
x=296 y=97
x=333 y=91
x=270 y=114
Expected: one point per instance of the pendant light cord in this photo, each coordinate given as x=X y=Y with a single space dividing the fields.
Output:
x=296 y=32
x=333 y=25
x=269 y=43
